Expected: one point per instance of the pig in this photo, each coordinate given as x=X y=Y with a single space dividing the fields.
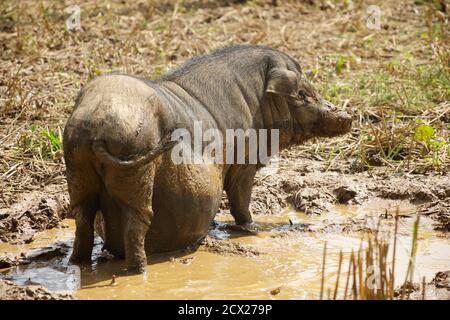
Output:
x=118 y=145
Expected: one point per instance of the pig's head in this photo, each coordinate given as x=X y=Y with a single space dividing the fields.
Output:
x=309 y=114
x=314 y=116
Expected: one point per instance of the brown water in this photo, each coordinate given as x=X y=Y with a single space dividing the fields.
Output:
x=291 y=262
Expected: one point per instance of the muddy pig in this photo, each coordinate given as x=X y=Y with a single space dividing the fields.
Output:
x=118 y=148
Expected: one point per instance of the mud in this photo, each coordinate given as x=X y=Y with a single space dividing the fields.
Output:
x=33 y=212
x=442 y=280
x=314 y=187
x=296 y=206
x=440 y=211
x=310 y=186
x=281 y=259
x=436 y=289
x=227 y=247
x=289 y=243
x=9 y=261
x=11 y=291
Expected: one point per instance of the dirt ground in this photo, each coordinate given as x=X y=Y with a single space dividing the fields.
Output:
x=303 y=184
x=314 y=187
x=393 y=79
x=34 y=211
x=11 y=291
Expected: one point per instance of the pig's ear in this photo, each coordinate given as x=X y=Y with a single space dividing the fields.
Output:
x=283 y=82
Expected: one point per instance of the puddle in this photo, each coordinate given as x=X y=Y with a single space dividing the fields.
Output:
x=291 y=262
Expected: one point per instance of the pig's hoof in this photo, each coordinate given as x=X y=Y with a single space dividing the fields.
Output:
x=78 y=259
x=245 y=228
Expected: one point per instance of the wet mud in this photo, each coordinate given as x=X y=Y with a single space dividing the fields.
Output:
x=32 y=212
x=297 y=207
x=282 y=254
x=313 y=187
x=11 y=291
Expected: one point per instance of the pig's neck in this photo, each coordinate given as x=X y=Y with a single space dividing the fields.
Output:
x=232 y=95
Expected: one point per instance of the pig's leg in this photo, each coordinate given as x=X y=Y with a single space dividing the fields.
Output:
x=111 y=226
x=83 y=185
x=238 y=185
x=137 y=224
x=84 y=234
x=133 y=190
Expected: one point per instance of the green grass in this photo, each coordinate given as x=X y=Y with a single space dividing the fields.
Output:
x=395 y=103
x=40 y=141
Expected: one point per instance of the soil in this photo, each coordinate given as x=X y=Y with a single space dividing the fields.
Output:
x=438 y=288
x=315 y=186
x=307 y=185
x=33 y=193
x=8 y=261
x=227 y=247
x=11 y=291
x=442 y=280
x=34 y=211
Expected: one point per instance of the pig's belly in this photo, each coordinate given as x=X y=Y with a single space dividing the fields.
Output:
x=185 y=200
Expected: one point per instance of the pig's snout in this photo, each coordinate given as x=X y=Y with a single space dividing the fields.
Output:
x=340 y=122
x=345 y=121
x=335 y=123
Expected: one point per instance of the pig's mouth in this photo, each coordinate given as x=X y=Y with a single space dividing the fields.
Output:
x=318 y=121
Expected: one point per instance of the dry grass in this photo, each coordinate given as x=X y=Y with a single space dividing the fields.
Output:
x=395 y=80
x=371 y=270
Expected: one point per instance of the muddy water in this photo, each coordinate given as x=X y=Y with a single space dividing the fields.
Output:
x=289 y=261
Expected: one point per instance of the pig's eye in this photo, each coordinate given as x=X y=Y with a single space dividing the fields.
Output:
x=302 y=95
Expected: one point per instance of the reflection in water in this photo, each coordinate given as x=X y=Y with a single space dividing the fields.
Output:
x=290 y=261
